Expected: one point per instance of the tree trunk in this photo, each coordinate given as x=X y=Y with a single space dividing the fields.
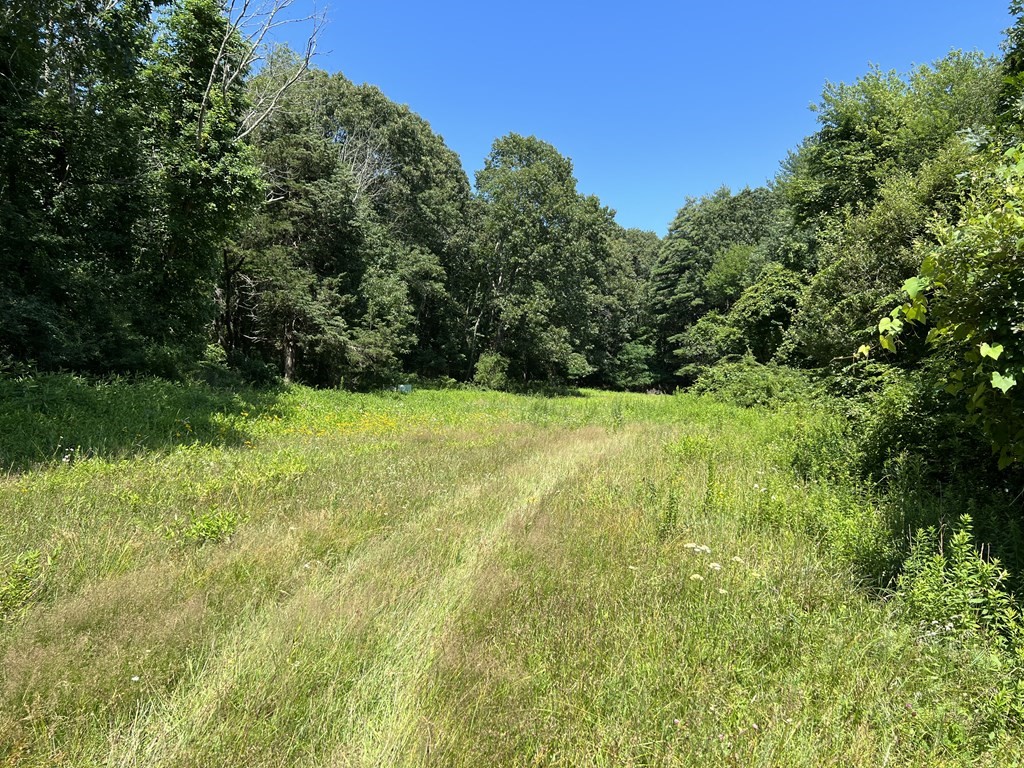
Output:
x=288 y=350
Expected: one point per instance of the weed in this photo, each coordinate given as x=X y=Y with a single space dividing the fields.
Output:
x=749 y=384
x=668 y=516
x=953 y=591
x=707 y=504
x=20 y=581
x=212 y=525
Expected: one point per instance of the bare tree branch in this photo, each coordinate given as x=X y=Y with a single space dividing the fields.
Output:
x=365 y=154
x=254 y=24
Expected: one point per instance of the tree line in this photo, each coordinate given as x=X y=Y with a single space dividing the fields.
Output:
x=150 y=222
x=157 y=214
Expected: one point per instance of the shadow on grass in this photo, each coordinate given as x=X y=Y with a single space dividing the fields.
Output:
x=994 y=503
x=541 y=389
x=528 y=389
x=62 y=417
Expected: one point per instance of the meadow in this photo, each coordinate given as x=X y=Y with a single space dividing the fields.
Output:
x=190 y=577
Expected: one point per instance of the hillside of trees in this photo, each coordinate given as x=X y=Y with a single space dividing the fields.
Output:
x=172 y=203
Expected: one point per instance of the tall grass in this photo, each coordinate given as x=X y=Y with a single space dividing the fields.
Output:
x=457 y=578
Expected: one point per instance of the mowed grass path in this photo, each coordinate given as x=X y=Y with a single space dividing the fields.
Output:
x=461 y=579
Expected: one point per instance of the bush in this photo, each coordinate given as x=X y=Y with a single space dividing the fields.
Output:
x=968 y=292
x=823 y=447
x=747 y=383
x=492 y=371
x=894 y=413
x=253 y=370
x=235 y=369
x=711 y=339
x=763 y=312
x=954 y=592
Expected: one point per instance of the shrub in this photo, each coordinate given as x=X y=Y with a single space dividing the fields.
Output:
x=492 y=371
x=823 y=446
x=253 y=370
x=954 y=592
x=747 y=383
x=895 y=413
x=707 y=341
x=968 y=293
x=763 y=312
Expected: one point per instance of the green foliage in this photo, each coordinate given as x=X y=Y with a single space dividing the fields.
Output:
x=763 y=312
x=384 y=334
x=72 y=155
x=889 y=156
x=492 y=372
x=631 y=367
x=234 y=370
x=541 y=268
x=209 y=526
x=122 y=177
x=208 y=181
x=130 y=207
x=1011 y=109
x=667 y=519
x=885 y=123
x=967 y=293
x=954 y=592
x=889 y=436
x=712 y=338
x=731 y=272
x=708 y=256
x=20 y=581
x=894 y=413
x=624 y=352
x=750 y=384
x=824 y=446
x=346 y=274
x=866 y=257
x=755 y=324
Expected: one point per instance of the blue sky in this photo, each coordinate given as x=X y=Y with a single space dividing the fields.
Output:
x=653 y=101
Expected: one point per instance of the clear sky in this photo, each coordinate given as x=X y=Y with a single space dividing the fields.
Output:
x=653 y=101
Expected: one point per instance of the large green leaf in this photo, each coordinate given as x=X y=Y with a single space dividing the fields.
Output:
x=914 y=286
x=1001 y=382
x=993 y=351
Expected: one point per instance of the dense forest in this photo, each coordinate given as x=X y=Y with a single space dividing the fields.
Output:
x=176 y=200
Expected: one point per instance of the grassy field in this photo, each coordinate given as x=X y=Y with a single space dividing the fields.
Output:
x=449 y=578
